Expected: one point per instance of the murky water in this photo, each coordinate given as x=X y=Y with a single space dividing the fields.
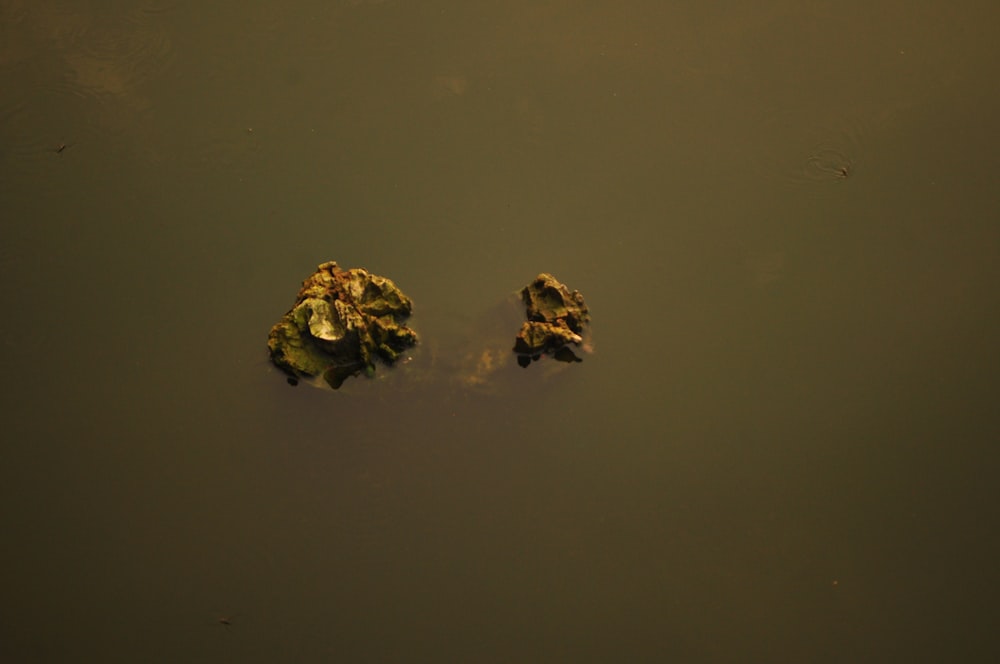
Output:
x=782 y=219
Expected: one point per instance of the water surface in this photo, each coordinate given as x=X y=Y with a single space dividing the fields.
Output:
x=783 y=448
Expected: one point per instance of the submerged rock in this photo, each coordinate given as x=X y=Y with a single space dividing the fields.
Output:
x=341 y=322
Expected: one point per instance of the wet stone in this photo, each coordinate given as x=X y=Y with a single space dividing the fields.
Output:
x=558 y=322
x=342 y=323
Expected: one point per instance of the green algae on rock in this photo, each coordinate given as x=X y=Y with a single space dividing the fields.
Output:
x=557 y=320
x=342 y=320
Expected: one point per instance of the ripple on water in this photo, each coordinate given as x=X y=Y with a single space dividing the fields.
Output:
x=802 y=151
x=72 y=71
x=117 y=57
x=33 y=125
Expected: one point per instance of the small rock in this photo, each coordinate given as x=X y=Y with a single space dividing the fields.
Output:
x=557 y=320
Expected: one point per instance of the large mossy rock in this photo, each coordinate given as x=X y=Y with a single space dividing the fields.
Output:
x=341 y=322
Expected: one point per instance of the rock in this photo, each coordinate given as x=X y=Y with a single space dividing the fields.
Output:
x=557 y=321
x=344 y=322
x=341 y=322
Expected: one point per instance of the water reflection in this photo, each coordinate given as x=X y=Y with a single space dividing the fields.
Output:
x=764 y=266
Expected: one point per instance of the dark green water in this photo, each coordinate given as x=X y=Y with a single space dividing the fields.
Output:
x=783 y=449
